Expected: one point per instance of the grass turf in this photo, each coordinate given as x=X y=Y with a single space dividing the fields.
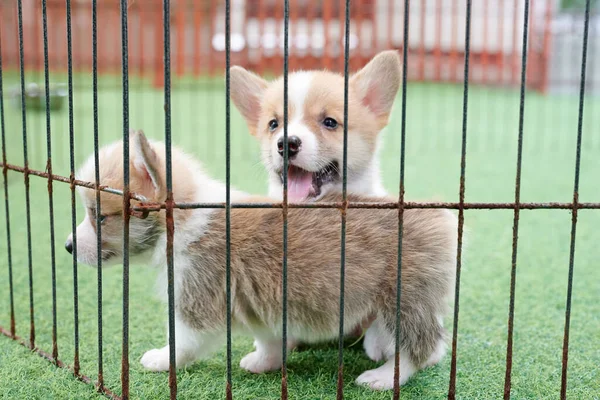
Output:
x=432 y=172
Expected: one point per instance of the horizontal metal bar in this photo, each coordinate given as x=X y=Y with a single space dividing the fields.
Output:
x=60 y=364
x=150 y=207
x=381 y=205
x=76 y=182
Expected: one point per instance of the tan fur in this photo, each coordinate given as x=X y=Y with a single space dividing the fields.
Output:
x=314 y=268
x=313 y=260
x=139 y=180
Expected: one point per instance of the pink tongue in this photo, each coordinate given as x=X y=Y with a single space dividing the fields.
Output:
x=299 y=184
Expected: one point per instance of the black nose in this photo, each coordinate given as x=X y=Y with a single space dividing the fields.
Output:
x=69 y=246
x=294 y=144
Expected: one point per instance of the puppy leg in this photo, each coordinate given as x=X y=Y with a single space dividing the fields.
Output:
x=267 y=356
x=374 y=345
x=190 y=345
x=379 y=345
x=382 y=378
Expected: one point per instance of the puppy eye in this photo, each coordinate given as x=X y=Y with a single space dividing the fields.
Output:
x=330 y=123
x=273 y=124
x=102 y=218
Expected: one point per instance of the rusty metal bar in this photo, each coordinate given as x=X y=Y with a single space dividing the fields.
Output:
x=100 y=383
x=26 y=177
x=126 y=201
x=83 y=378
x=565 y=353
x=340 y=381
x=6 y=201
x=73 y=199
x=284 y=270
x=152 y=207
x=228 y=385
x=401 y=203
x=49 y=170
x=513 y=270
x=461 y=209
x=169 y=202
x=76 y=182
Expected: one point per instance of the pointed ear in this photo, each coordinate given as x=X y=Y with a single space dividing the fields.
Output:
x=147 y=164
x=247 y=90
x=378 y=82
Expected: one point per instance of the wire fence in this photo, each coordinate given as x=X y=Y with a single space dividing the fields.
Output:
x=141 y=211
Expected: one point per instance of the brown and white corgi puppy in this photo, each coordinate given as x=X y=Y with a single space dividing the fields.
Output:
x=315 y=126
x=428 y=264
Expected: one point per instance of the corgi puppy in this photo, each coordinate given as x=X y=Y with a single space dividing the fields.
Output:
x=428 y=260
x=315 y=126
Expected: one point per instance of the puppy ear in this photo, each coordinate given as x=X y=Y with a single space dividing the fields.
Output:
x=378 y=82
x=147 y=164
x=247 y=90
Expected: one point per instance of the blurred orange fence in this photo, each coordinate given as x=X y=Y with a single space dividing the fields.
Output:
x=436 y=37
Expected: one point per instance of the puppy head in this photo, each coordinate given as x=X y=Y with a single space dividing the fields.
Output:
x=146 y=178
x=315 y=120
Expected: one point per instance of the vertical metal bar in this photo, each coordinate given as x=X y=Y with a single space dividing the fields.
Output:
x=72 y=177
x=6 y=202
x=26 y=176
x=513 y=271
x=126 y=202
x=100 y=384
x=286 y=28
x=340 y=382
x=228 y=393
x=565 y=356
x=49 y=171
x=169 y=202
x=401 y=201
x=461 y=211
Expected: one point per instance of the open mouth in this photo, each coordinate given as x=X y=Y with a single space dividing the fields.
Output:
x=303 y=184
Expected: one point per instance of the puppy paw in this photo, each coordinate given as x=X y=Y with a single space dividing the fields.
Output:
x=156 y=360
x=382 y=378
x=377 y=379
x=259 y=362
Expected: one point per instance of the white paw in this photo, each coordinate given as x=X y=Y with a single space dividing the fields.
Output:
x=377 y=379
x=382 y=378
x=156 y=360
x=258 y=363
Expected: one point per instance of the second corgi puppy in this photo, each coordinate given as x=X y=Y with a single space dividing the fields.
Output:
x=315 y=126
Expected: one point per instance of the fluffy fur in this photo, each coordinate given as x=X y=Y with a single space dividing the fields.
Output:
x=314 y=97
x=428 y=259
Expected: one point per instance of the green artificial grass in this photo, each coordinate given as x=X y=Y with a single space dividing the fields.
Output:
x=434 y=121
